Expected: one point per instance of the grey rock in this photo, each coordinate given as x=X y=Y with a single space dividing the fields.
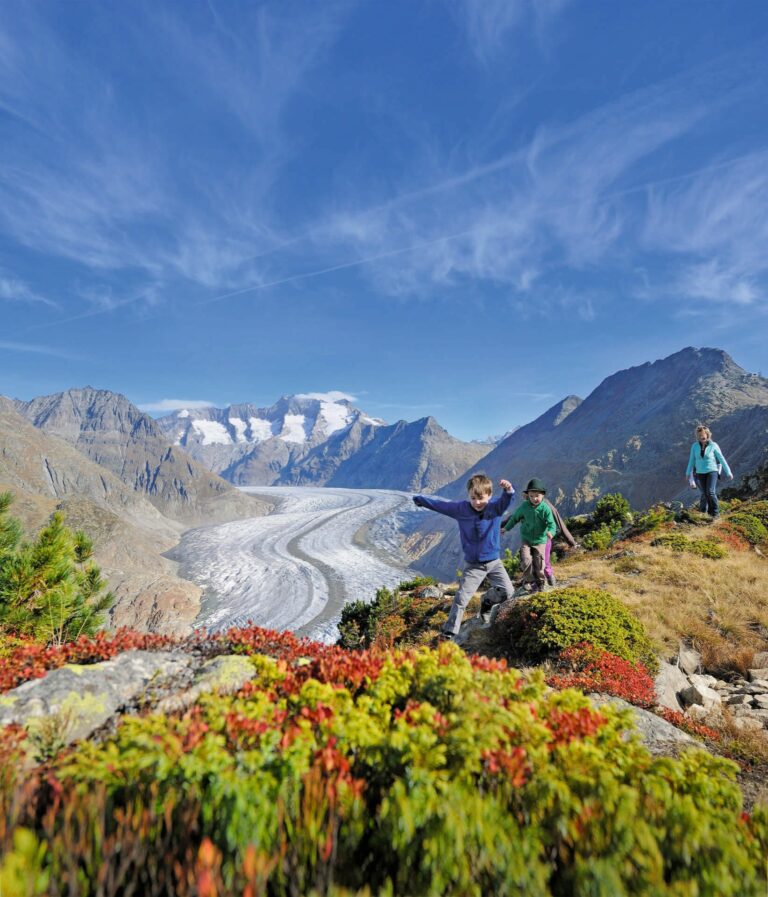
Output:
x=432 y=592
x=758 y=674
x=669 y=682
x=656 y=733
x=747 y=724
x=226 y=674
x=700 y=694
x=79 y=699
x=738 y=701
x=760 y=660
x=761 y=701
x=704 y=680
x=688 y=659
x=743 y=710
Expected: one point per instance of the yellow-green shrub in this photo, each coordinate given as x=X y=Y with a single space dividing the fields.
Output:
x=547 y=623
x=434 y=773
x=705 y=548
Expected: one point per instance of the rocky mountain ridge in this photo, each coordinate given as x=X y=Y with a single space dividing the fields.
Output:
x=112 y=432
x=319 y=439
x=632 y=435
x=46 y=474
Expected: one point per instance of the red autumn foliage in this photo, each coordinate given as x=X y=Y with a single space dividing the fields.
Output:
x=591 y=669
x=510 y=764
x=568 y=725
x=686 y=723
x=31 y=660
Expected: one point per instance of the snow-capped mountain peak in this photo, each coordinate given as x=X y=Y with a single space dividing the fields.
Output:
x=298 y=420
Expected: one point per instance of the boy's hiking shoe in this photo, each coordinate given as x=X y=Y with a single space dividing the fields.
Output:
x=551 y=579
x=445 y=636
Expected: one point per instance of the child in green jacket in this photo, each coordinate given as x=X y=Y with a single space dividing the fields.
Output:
x=537 y=530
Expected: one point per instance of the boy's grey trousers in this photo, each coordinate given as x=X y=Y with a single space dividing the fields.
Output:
x=473 y=575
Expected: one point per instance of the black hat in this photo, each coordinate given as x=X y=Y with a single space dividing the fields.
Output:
x=535 y=485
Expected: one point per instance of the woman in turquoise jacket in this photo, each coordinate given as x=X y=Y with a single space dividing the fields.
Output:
x=705 y=463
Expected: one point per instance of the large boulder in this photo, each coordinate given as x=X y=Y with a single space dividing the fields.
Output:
x=669 y=682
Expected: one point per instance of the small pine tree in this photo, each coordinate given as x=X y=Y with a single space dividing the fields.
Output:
x=10 y=528
x=49 y=588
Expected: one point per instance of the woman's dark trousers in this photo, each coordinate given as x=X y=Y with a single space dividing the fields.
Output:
x=707 y=482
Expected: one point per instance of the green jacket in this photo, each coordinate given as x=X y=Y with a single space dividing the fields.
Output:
x=538 y=523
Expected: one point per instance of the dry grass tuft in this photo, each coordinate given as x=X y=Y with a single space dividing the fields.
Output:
x=721 y=606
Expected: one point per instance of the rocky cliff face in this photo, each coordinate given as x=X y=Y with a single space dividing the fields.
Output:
x=45 y=474
x=632 y=435
x=319 y=440
x=416 y=457
x=113 y=433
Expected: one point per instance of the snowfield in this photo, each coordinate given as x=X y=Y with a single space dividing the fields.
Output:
x=296 y=568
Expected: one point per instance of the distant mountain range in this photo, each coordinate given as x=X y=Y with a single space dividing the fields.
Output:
x=632 y=435
x=316 y=440
x=108 y=467
x=134 y=483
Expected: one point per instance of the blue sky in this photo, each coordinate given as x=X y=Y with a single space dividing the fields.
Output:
x=465 y=208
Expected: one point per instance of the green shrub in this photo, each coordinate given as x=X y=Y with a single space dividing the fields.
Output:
x=706 y=548
x=652 y=519
x=436 y=774
x=757 y=509
x=612 y=510
x=511 y=563
x=547 y=623
x=418 y=583
x=750 y=526
x=599 y=539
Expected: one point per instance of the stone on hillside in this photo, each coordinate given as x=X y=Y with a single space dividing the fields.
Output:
x=688 y=660
x=225 y=675
x=706 y=681
x=747 y=724
x=431 y=592
x=698 y=713
x=669 y=682
x=656 y=733
x=738 y=700
x=760 y=660
x=700 y=694
x=761 y=701
x=758 y=673
x=79 y=699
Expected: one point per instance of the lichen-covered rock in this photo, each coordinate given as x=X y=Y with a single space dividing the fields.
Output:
x=79 y=699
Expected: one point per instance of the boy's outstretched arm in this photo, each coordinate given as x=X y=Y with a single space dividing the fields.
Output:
x=449 y=508
x=505 y=499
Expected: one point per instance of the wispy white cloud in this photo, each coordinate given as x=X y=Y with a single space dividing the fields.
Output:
x=84 y=180
x=175 y=405
x=38 y=350
x=565 y=200
x=333 y=396
x=14 y=290
x=490 y=23
x=717 y=223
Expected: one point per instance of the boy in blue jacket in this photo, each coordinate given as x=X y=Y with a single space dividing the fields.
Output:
x=480 y=531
